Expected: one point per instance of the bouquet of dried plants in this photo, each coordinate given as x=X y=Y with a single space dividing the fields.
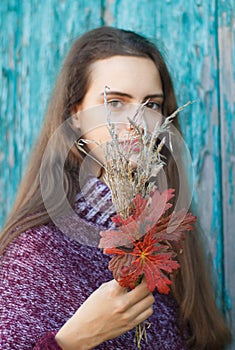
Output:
x=146 y=239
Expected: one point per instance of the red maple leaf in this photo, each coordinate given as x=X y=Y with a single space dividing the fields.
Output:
x=147 y=258
x=141 y=243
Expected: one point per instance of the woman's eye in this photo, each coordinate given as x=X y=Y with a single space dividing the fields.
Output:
x=115 y=104
x=153 y=105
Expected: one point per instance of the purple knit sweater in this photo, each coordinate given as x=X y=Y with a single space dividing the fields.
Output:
x=47 y=274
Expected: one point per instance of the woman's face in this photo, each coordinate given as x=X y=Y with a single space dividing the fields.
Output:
x=128 y=82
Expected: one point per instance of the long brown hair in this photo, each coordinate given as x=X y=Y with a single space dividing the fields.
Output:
x=192 y=288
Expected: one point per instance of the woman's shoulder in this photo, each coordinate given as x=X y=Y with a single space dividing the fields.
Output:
x=38 y=259
x=35 y=246
x=46 y=248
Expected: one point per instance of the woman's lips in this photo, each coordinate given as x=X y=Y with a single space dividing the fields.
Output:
x=130 y=146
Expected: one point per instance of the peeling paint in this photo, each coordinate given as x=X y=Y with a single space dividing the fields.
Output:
x=108 y=11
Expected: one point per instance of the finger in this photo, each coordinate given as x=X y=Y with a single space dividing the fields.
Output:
x=141 y=306
x=114 y=287
x=138 y=318
x=139 y=293
x=143 y=316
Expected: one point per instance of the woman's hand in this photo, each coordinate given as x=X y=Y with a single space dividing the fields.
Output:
x=110 y=311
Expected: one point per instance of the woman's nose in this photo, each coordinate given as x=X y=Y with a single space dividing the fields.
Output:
x=129 y=130
x=131 y=121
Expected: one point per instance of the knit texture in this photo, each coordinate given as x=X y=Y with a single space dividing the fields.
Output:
x=47 y=274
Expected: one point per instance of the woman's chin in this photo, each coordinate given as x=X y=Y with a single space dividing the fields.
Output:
x=133 y=161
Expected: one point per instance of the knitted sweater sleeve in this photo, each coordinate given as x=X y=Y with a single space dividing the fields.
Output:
x=28 y=320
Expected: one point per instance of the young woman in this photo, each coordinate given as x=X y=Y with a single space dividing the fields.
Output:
x=56 y=291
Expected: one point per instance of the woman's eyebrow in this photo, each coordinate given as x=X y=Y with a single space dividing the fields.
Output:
x=118 y=93
x=148 y=97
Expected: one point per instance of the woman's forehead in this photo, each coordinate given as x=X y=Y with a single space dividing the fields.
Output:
x=128 y=73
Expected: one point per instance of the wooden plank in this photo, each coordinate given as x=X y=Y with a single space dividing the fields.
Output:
x=34 y=38
x=10 y=174
x=226 y=41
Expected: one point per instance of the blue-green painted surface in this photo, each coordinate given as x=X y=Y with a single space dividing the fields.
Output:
x=197 y=39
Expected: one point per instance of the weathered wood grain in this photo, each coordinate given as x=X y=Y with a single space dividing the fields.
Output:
x=197 y=39
x=34 y=38
x=226 y=56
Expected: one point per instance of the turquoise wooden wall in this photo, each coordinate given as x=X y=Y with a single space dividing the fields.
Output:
x=197 y=38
